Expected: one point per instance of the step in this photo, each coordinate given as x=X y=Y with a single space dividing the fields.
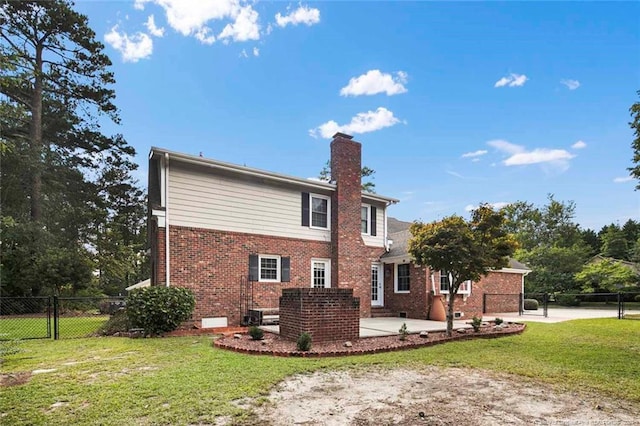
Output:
x=381 y=313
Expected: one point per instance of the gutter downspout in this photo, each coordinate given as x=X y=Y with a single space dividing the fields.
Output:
x=166 y=220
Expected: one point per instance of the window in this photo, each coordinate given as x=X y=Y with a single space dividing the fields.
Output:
x=403 y=279
x=269 y=268
x=465 y=287
x=364 y=219
x=320 y=273
x=319 y=211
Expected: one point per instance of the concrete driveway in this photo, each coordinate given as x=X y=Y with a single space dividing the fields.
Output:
x=559 y=314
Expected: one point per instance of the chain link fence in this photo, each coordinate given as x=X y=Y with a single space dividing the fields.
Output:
x=57 y=317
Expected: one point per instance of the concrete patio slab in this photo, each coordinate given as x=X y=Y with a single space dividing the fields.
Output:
x=390 y=326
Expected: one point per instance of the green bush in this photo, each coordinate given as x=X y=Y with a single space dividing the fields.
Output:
x=567 y=300
x=498 y=321
x=256 y=333
x=304 y=342
x=117 y=323
x=637 y=298
x=476 y=323
x=159 y=309
x=530 y=305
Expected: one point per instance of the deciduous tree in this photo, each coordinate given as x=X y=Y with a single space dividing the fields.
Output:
x=466 y=250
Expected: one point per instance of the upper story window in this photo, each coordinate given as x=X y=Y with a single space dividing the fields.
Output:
x=269 y=268
x=403 y=278
x=445 y=284
x=319 y=211
x=364 y=219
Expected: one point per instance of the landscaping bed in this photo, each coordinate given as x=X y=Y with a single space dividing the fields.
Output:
x=273 y=344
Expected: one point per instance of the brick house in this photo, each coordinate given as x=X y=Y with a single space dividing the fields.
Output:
x=238 y=236
x=419 y=292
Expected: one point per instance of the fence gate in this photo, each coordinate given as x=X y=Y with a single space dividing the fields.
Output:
x=25 y=318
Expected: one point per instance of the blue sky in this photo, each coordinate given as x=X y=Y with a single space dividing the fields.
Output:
x=454 y=103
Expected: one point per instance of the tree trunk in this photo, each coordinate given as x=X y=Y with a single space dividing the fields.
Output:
x=452 y=298
x=35 y=137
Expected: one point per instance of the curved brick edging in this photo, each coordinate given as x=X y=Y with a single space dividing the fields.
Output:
x=227 y=344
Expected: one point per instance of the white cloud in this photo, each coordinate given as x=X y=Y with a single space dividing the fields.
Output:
x=538 y=155
x=193 y=17
x=497 y=206
x=245 y=26
x=132 y=47
x=623 y=179
x=519 y=156
x=475 y=160
x=579 y=145
x=256 y=51
x=506 y=146
x=512 y=80
x=571 y=84
x=477 y=153
x=151 y=26
x=243 y=54
x=456 y=174
x=302 y=15
x=363 y=122
x=374 y=82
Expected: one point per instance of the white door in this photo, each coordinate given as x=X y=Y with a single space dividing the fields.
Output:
x=377 y=287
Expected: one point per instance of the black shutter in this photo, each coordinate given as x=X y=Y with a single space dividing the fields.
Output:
x=253 y=267
x=285 y=269
x=305 y=209
x=373 y=221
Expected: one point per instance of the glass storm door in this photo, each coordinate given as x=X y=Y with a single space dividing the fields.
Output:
x=376 y=286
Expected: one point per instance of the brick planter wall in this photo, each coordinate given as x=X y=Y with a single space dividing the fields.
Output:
x=326 y=313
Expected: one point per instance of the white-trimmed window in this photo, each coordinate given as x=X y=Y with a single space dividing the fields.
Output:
x=269 y=266
x=402 y=281
x=320 y=211
x=320 y=273
x=445 y=284
x=365 y=219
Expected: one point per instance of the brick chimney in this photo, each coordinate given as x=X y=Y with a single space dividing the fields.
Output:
x=350 y=264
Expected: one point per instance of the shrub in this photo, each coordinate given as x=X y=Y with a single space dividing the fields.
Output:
x=498 y=321
x=530 y=305
x=117 y=323
x=159 y=309
x=256 y=333
x=304 y=342
x=476 y=323
x=567 y=300
x=637 y=298
x=403 y=331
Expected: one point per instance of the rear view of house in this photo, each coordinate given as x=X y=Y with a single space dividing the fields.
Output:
x=237 y=236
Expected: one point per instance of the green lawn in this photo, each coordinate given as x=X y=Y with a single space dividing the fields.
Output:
x=29 y=328
x=187 y=381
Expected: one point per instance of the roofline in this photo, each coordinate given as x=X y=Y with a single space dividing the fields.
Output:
x=250 y=171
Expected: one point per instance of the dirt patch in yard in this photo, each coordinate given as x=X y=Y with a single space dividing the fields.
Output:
x=433 y=396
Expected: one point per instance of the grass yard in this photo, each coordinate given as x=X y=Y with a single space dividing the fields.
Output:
x=185 y=380
x=30 y=328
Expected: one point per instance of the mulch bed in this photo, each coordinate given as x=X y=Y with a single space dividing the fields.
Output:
x=273 y=345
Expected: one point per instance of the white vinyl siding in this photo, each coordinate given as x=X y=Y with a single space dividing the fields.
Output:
x=378 y=240
x=203 y=200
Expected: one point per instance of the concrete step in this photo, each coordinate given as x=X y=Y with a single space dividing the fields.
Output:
x=381 y=313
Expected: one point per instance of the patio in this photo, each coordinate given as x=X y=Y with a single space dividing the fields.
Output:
x=389 y=326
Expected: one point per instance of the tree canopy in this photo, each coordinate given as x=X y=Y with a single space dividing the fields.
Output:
x=606 y=275
x=466 y=250
x=635 y=144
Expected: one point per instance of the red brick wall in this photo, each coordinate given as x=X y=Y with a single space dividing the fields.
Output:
x=495 y=282
x=351 y=259
x=212 y=263
x=415 y=303
x=327 y=314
